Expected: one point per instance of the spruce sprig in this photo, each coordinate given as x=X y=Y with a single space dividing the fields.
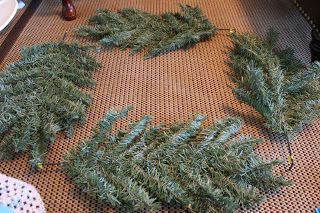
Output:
x=279 y=86
x=138 y=30
x=202 y=169
x=40 y=96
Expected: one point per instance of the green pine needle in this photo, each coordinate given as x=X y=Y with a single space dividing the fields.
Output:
x=40 y=96
x=202 y=169
x=139 y=30
x=275 y=83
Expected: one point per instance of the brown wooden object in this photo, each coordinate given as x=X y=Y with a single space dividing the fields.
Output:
x=68 y=10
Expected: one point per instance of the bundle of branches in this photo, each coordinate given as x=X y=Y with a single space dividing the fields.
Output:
x=40 y=96
x=283 y=90
x=138 y=30
x=204 y=170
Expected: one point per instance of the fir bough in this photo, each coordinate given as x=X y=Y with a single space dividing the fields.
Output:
x=202 y=169
x=138 y=30
x=275 y=83
x=40 y=96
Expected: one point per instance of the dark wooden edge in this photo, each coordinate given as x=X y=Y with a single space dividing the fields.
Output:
x=17 y=29
x=315 y=46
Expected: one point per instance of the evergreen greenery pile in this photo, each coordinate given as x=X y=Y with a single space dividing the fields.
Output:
x=138 y=30
x=202 y=169
x=275 y=83
x=40 y=96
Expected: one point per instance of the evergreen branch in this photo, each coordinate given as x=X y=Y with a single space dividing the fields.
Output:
x=186 y=164
x=303 y=79
x=221 y=132
x=274 y=82
x=40 y=96
x=139 y=30
x=169 y=149
x=132 y=135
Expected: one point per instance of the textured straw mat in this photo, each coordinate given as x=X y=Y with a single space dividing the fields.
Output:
x=173 y=87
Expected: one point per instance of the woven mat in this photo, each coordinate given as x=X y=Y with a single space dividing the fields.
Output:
x=173 y=87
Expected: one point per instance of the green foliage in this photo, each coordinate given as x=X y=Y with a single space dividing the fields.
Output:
x=275 y=83
x=204 y=170
x=138 y=30
x=40 y=96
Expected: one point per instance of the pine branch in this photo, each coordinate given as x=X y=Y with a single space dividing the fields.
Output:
x=40 y=96
x=275 y=83
x=201 y=169
x=139 y=30
x=302 y=80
